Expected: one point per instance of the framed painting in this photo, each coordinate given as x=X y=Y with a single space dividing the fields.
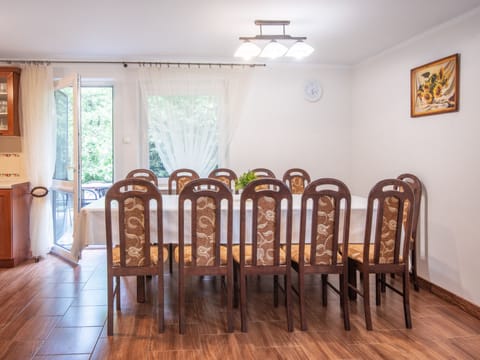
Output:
x=434 y=87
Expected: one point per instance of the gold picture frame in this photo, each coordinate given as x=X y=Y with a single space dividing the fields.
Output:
x=434 y=87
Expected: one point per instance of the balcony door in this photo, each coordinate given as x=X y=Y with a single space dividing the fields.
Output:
x=65 y=184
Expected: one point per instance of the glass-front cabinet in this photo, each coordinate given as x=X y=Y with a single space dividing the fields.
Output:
x=9 y=82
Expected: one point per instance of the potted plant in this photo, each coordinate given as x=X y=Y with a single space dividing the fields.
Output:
x=244 y=179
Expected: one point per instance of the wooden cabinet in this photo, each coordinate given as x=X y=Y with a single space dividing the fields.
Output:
x=9 y=84
x=14 y=224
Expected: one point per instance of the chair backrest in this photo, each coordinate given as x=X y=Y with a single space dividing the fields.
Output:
x=133 y=198
x=329 y=201
x=227 y=176
x=179 y=178
x=416 y=186
x=210 y=208
x=144 y=174
x=389 y=198
x=263 y=173
x=265 y=221
x=296 y=179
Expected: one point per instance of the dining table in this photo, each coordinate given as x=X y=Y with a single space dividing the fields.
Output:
x=92 y=231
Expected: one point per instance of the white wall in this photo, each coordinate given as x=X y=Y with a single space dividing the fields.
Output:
x=281 y=130
x=443 y=150
x=278 y=129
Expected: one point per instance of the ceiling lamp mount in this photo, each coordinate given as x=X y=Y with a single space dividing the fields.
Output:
x=274 y=49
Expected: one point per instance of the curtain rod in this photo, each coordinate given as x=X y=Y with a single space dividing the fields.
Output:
x=126 y=63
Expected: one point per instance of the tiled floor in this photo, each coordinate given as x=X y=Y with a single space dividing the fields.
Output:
x=53 y=310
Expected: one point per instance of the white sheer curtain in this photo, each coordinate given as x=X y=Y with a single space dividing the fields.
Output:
x=38 y=132
x=190 y=114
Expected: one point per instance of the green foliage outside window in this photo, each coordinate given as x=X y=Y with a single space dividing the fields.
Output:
x=97 y=142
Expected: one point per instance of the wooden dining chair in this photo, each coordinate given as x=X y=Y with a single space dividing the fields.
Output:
x=227 y=176
x=176 y=182
x=179 y=178
x=206 y=205
x=129 y=220
x=144 y=174
x=416 y=186
x=263 y=173
x=265 y=213
x=323 y=243
x=296 y=179
x=386 y=245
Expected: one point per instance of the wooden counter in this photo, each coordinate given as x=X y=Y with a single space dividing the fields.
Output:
x=14 y=224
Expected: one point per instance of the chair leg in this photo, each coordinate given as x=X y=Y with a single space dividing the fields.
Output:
x=301 y=295
x=230 y=291
x=181 y=302
x=384 y=281
x=110 y=294
x=161 y=305
x=379 y=283
x=275 y=290
x=170 y=258
x=366 y=300
x=406 y=299
x=288 y=296
x=243 y=301
x=141 y=289
x=352 y=279
x=236 y=289
x=324 y=289
x=344 y=301
x=414 y=268
x=117 y=292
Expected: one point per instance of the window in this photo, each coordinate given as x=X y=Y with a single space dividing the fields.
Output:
x=186 y=118
x=183 y=133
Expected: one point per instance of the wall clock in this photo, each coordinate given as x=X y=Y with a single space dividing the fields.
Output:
x=312 y=91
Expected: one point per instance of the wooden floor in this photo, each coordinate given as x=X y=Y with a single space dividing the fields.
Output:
x=52 y=310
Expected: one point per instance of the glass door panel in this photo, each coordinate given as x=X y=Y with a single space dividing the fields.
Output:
x=96 y=142
x=65 y=192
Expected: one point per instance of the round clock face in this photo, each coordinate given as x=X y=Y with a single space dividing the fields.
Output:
x=312 y=91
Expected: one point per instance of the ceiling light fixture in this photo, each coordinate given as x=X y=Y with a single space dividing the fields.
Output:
x=273 y=49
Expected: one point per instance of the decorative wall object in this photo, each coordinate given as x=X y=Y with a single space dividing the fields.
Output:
x=434 y=87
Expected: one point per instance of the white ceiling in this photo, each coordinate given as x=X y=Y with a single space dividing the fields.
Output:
x=341 y=31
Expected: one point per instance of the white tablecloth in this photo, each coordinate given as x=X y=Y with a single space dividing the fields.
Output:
x=92 y=221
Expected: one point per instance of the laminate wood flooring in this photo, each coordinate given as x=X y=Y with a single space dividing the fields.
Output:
x=53 y=310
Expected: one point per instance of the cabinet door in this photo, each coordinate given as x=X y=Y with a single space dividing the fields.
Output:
x=5 y=224
x=9 y=81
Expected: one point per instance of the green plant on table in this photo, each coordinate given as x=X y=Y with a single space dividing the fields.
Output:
x=244 y=179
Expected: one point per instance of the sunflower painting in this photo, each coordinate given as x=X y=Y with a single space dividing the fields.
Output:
x=434 y=87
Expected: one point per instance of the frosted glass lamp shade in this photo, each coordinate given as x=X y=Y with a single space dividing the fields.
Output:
x=247 y=50
x=299 y=50
x=273 y=50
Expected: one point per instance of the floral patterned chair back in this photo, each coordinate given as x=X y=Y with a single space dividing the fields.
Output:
x=227 y=176
x=391 y=238
x=296 y=179
x=133 y=210
x=265 y=240
x=206 y=207
x=323 y=242
x=416 y=186
x=179 y=178
x=386 y=245
x=261 y=173
x=144 y=174
x=266 y=221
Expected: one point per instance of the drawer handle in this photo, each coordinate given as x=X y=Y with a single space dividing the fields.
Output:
x=39 y=191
